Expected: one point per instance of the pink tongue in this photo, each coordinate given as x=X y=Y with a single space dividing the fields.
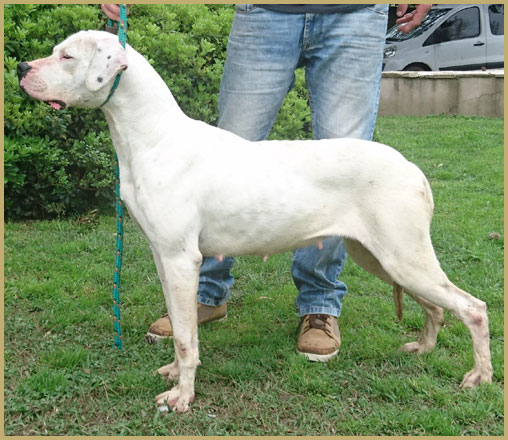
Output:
x=55 y=105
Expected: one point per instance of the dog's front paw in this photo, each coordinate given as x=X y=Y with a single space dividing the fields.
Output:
x=176 y=400
x=169 y=372
x=416 y=347
x=476 y=377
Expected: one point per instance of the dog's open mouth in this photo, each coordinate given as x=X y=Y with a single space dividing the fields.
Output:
x=57 y=105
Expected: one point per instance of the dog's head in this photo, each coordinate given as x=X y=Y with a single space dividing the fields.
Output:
x=80 y=72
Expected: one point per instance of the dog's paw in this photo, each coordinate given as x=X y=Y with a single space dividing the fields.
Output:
x=416 y=347
x=476 y=377
x=169 y=372
x=176 y=400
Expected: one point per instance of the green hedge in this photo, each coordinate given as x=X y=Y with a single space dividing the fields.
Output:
x=60 y=163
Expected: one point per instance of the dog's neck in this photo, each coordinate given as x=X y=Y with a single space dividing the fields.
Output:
x=140 y=84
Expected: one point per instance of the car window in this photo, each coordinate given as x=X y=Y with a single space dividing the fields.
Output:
x=463 y=24
x=496 y=19
x=432 y=16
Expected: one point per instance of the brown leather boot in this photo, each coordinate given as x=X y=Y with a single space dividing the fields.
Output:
x=319 y=338
x=161 y=329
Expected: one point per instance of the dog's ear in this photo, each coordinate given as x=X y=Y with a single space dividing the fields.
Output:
x=108 y=60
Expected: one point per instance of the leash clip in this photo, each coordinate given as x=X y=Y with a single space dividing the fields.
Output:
x=112 y=29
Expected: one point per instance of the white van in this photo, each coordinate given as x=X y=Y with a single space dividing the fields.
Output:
x=451 y=37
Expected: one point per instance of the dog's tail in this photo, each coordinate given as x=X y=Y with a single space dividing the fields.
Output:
x=397 y=300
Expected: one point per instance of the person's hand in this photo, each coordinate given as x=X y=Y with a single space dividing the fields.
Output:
x=409 y=21
x=113 y=11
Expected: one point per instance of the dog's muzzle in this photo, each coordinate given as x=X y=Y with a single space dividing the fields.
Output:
x=23 y=69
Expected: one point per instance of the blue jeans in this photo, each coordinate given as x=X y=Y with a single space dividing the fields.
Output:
x=342 y=56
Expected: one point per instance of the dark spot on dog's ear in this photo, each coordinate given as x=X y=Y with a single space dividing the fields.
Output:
x=109 y=57
x=99 y=79
x=99 y=49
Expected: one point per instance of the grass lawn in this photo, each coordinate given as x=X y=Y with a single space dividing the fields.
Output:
x=62 y=376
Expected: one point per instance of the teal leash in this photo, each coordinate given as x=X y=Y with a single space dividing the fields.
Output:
x=118 y=343
x=118 y=260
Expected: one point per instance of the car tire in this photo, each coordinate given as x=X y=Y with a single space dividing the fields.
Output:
x=417 y=67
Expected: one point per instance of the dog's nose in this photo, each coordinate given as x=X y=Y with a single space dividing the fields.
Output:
x=23 y=69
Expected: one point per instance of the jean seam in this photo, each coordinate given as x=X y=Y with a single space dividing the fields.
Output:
x=373 y=116
x=311 y=101
x=382 y=13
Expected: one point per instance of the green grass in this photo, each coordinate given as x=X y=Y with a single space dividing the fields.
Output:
x=62 y=376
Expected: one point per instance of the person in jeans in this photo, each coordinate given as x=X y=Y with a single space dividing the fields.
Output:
x=341 y=49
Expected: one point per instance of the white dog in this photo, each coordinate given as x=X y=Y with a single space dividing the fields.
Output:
x=198 y=190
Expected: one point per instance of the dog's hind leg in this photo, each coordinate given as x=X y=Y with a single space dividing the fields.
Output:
x=364 y=258
x=472 y=312
x=179 y=277
x=433 y=314
x=170 y=371
x=407 y=255
x=433 y=322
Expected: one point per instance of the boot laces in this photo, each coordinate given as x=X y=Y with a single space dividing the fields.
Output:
x=320 y=322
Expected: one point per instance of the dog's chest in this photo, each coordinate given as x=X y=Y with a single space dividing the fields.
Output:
x=134 y=195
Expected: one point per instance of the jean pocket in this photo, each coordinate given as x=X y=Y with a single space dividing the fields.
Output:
x=381 y=9
x=245 y=8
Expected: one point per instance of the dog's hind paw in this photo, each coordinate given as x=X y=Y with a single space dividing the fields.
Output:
x=177 y=400
x=476 y=377
x=169 y=372
x=416 y=347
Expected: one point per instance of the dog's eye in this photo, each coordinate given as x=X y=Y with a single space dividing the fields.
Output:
x=66 y=57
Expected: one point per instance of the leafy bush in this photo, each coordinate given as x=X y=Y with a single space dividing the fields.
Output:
x=59 y=163
x=55 y=162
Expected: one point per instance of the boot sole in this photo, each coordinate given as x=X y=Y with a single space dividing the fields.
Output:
x=154 y=338
x=318 y=357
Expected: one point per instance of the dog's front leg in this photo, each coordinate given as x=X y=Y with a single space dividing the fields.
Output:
x=180 y=277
